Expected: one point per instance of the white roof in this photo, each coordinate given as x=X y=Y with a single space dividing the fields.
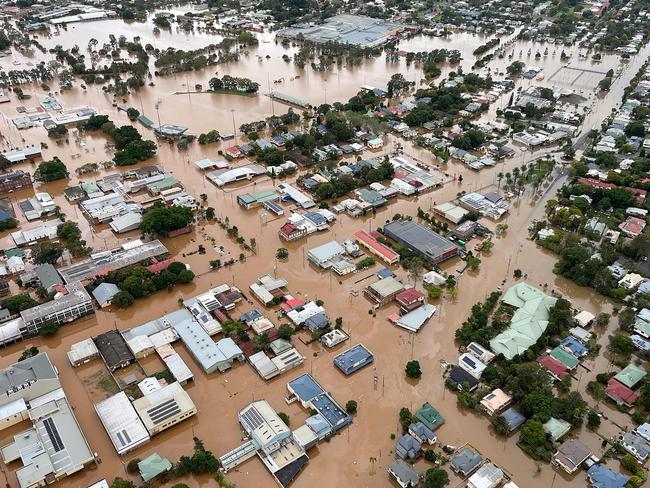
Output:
x=82 y=350
x=122 y=423
x=584 y=318
x=10 y=330
x=433 y=278
x=263 y=364
x=12 y=408
x=139 y=344
x=178 y=367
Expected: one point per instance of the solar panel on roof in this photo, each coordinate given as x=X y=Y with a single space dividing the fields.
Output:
x=165 y=410
x=53 y=434
x=469 y=361
x=126 y=436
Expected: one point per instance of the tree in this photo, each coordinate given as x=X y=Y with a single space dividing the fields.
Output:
x=284 y=417
x=185 y=276
x=435 y=478
x=629 y=463
x=621 y=344
x=163 y=220
x=351 y=407
x=473 y=262
x=123 y=299
x=533 y=434
x=262 y=342
x=285 y=331
x=593 y=420
x=132 y=466
x=626 y=318
x=122 y=483
x=209 y=213
x=487 y=245
x=602 y=319
x=282 y=253
x=500 y=425
x=51 y=170
x=413 y=370
x=18 y=303
x=30 y=352
x=201 y=462
x=434 y=291
x=48 y=328
x=47 y=252
x=132 y=113
x=398 y=84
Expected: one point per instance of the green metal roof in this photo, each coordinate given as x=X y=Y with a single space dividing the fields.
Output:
x=565 y=357
x=557 y=428
x=162 y=184
x=429 y=416
x=642 y=326
x=16 y=251
x=528 y=322
x=147 y=122
x=153 y=466
x=630 y=375
x=260 y=197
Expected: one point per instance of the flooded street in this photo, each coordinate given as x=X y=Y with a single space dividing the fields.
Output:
x=360 y=454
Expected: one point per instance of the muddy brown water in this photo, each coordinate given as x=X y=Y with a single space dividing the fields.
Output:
x=360 y=454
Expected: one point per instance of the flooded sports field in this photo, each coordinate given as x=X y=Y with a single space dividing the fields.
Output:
x=359 y=455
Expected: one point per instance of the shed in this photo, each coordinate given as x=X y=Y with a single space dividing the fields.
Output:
x=153 y=466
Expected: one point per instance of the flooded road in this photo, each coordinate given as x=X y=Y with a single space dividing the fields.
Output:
x=361 y=453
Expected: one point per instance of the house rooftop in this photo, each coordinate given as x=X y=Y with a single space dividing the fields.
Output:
x=630 y=375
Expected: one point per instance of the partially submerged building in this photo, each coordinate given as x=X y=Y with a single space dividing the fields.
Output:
x=528 y=322
x=164 y=408
x=428 y=244
x=570 y=455
x=122 y=423
x=99 y=263
x=65 y=308
x=55 y=446
x=353 y=359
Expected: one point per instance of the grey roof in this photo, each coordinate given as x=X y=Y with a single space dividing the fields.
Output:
x=211 y=355
x=112 y=260
x=514 y=418
x=305 y=387
x=31 y=369
x=113 y=348
x=105 y=292
x=48 y=275
x=421 y=431
x=465 y=461
x=76 y=296
x=408 y=447
x=572 y=453
x=404 y=472
x=53 y=447
x=636 y=445
x=430 y=244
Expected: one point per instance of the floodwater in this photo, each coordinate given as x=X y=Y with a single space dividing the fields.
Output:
x=361 y=453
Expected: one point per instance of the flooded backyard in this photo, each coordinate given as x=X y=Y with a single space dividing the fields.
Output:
x=360 y=454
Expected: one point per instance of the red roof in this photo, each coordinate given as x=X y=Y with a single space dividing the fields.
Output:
x=556 y=368
x=370 y=242
x=288 y=228
x=161 y=265
x=220 y=316
x=60 y=289
x=619 y=391
x=409 y=296
x=594 y=183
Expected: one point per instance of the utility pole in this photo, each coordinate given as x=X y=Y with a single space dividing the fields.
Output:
x=234 y=128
